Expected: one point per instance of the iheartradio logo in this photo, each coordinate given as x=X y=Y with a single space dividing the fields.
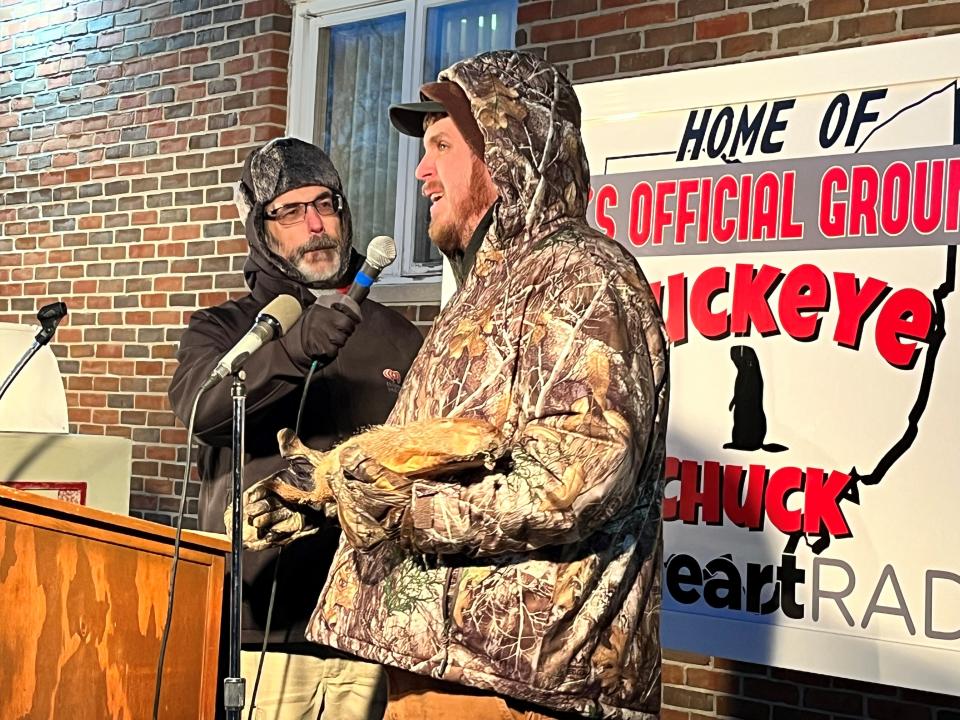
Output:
x=392 y=375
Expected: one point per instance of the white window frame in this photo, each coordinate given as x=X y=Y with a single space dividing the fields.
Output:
x=309 y=18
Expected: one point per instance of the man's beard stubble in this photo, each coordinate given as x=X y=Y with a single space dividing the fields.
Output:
x=454 y=236
x=321 y=241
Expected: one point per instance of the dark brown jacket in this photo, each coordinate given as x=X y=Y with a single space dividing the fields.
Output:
x=349 y=394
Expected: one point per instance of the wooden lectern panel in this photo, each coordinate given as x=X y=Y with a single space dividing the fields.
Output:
x=83 y=600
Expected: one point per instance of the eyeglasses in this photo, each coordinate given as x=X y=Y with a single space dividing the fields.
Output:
x=292 y=213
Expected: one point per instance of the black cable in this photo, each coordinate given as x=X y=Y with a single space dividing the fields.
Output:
x=276 y=565
x=176 y=560
x=303 y=396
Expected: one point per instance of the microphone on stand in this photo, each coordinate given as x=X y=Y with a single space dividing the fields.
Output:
x=274 y=320
x=49 y=317
x=381 y=251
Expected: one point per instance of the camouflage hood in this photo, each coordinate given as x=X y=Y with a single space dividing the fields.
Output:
x=529 y=117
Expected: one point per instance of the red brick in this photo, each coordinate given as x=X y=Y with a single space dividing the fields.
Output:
x=682 y=697
x=238 y=66
x=266 y=7
x=937 y=15
x=194 y=56
x=866 y=25
x=615 y=44
x=552 y=32
x=273 y=59
x=886 y=4
x=600 y=24
x=239 y=136
x=778 y=15
x=270 y=41
x=712 y=680
x=532 y=12
x=175 y=76
x=130 y=168
x=166 y=26
x=744 y=44
x=820 y=9
x=594 y=68
x=670 y=673
x=174 y=145
x=699 y=52
x=722 y=26
x=805 y=35
x=263 y=115
x=563 y=8
x=78 y=175
x=203 y=214
x=651 y=14
x=668 y=35
x=689 y=8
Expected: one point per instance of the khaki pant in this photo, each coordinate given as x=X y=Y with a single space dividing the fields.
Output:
x=302 y=687
x=418 y=697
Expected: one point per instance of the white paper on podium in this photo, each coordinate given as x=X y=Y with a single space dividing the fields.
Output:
x=36 y=401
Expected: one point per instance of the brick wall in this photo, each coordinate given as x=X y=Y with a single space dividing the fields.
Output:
x=123 y=124
x=697 y=687
x=601 y=39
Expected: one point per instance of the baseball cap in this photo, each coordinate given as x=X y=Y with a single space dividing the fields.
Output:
x=439 y=97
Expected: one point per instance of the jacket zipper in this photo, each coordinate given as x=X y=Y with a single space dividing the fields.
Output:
x=446 y=609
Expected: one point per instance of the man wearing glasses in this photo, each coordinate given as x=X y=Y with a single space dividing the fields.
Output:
x=299 y=233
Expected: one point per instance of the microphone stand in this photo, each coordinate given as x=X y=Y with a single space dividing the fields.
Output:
x=234 y=686
x=24 y=359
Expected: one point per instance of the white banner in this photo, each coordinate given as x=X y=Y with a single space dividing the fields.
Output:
x=798 y=219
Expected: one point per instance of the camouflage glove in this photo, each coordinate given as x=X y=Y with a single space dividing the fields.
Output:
x=372 y=500
x=292 y=503
x=271 y=520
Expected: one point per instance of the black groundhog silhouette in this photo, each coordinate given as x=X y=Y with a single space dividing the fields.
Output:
x=749 y=420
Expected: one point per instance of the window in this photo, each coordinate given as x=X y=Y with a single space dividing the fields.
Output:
x=357 y=60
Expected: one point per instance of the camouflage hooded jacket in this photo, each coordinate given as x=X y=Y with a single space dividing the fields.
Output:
x=539 y=580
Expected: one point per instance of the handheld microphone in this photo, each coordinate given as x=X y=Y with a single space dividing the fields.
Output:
x=273 y=321
x=381 y=251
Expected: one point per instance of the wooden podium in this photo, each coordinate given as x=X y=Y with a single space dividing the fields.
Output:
x=83 y=600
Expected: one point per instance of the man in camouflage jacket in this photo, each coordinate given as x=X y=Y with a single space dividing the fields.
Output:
x=536 y=578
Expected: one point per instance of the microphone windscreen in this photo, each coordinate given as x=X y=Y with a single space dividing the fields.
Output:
x=285 y=309
x=381 y=251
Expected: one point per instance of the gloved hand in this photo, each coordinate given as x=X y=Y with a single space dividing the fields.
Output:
x=372 y=500
x=270 y=520
x=322 y=330
x=291 y=503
